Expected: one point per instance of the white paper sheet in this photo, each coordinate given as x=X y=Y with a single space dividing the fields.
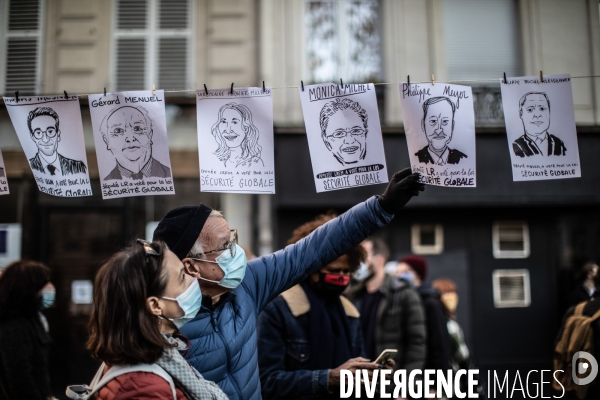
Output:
x=235 y=140
x=3 y=180
x=344 y=135
x=51 y=134
x=439 y=122
x=540 y=127
x=130 y=133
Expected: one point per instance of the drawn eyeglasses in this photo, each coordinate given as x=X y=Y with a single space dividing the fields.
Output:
x=50 y=133
x=342 y=133
x=233 y=240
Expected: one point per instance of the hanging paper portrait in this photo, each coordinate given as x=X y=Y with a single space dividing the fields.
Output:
x=439 y=123
x=540 y=127
x=51 y=134
x=344 y=135
x=235 y=140
x=3 y=180
x=130 y=133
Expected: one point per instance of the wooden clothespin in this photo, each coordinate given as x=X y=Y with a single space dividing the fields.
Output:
x=541 y=77
x=432 y=79
x=153 y=90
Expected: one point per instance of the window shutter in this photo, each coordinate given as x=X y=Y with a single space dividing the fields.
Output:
x=173 y=44
x=132 y=14
x=481 y=38
x=22 y=47
x=131 y=64
x=511 y=288
x=172 y=63
x=130 y=44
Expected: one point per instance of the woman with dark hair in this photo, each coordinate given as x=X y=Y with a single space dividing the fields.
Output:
x=308 y=334
x=25 y=289
x=142 y=295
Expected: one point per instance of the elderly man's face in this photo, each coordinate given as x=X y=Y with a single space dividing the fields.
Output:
x=45 y=135
x=438 y=125
x=346 y=136
x=230 y=128
x=535 y=114
x=129 y=138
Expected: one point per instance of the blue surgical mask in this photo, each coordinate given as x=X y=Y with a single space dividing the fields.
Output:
x=407 y=276
x=190 y=302
x=233 y=267
x=48 y=297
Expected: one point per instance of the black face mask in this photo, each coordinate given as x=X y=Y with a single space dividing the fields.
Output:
x=332 y=285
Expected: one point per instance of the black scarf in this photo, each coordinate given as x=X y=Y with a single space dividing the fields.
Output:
x=328 y=331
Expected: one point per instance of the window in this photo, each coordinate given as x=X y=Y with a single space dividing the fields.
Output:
x=152 y=44
x=510 y=239
x=427 y=239
x=10 y=243
x=481 y=38
x=21 y=27
x=343 y=40
x=511 y=288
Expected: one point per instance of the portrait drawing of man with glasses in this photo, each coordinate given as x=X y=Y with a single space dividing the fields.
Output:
x=438 y=126
x=44 y=129
x=344 y=130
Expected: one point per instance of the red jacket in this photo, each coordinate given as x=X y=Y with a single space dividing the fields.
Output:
x=138 y=386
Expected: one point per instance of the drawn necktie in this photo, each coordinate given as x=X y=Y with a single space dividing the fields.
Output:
x=138 y=176
x=51 y=169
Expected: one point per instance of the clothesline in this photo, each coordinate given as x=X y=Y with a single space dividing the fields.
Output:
x=376 y=84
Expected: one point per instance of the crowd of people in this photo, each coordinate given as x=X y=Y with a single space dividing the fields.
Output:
x=187 y=316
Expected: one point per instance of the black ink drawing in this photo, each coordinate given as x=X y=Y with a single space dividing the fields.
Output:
x=344 y=130
x=127 y=132
x=534 y=110
x=237 y=137
x=438 y=126
x=44 y=130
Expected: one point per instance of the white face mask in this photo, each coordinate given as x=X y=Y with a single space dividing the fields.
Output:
x=234 y=267
x=362 y=272
x=190 y=302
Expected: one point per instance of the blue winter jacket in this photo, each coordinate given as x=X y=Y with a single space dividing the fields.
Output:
x=223 y=340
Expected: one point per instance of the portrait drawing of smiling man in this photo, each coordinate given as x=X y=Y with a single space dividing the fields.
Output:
x=438 y=126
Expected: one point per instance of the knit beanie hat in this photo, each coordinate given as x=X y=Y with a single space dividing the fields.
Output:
x=180 y=228
x=418 y=264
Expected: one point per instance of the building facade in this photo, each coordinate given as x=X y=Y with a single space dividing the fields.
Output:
x=511 y=247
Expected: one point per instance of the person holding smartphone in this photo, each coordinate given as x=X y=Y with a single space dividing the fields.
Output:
x=309 y=333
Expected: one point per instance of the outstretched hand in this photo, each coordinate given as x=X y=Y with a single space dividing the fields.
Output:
x=402 y=187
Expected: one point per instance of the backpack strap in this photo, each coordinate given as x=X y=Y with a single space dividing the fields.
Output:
x=100 y=380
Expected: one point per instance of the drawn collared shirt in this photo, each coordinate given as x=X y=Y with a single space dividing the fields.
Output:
x=541 y=141
x=55 y=164
x=439 y=160
x=145 y=171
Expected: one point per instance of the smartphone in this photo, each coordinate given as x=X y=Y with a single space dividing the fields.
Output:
x=385 y=356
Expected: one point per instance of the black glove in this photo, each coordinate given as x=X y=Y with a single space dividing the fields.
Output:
x=401 y=188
